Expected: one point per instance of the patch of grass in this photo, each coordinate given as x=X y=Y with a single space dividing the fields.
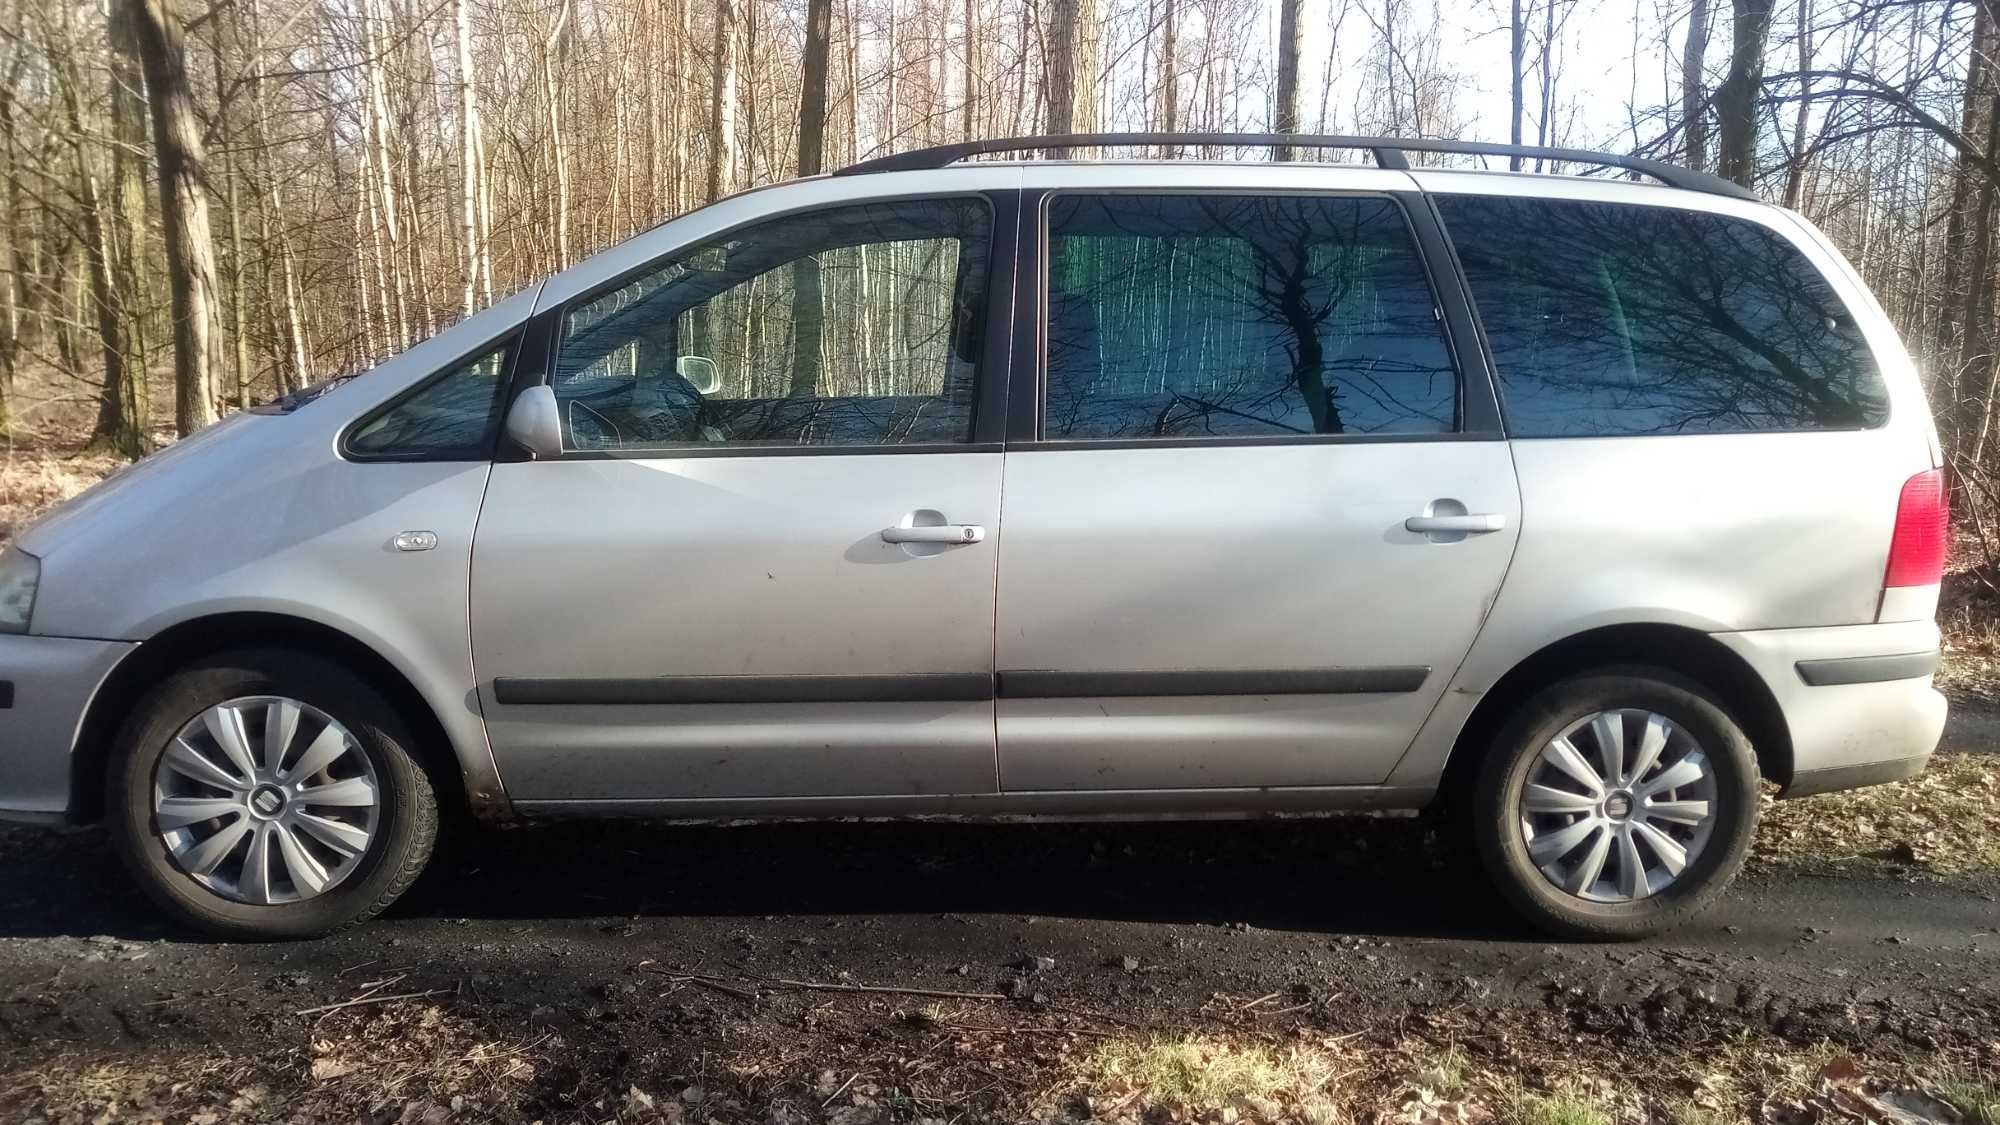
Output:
x=1976 y=1100
x=1557 y=1109
x=1694 y=1113
x=1200 y=1072
x=1444 y=1074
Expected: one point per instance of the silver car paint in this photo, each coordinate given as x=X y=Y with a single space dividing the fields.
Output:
x=1749 y=538
x=1238 y=558
x=735 y=566
x=260 y=513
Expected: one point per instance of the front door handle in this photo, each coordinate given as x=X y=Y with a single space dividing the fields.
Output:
x=941 y=533
x=1475 y=523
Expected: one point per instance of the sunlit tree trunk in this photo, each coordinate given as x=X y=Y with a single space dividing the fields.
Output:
x=177 y=148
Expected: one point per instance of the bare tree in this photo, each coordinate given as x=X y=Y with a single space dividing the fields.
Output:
x=1736 y=99
x=190 y=248
x=1291 y=40
x=1694 y=95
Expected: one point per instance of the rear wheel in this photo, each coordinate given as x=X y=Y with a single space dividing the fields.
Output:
x=1616 y=805
x=267 y=794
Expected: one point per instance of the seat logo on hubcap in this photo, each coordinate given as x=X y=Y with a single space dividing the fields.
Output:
x=267 y=802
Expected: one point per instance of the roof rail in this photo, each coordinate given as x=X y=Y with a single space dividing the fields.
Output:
x=1389 y=152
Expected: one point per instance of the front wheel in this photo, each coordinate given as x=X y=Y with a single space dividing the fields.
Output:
x=267 y=794
x=1616 y=805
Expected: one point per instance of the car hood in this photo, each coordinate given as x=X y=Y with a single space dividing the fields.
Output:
x=72 y=517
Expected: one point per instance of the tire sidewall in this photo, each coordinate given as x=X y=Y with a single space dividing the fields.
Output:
x=402 y=827
x=1505 y=774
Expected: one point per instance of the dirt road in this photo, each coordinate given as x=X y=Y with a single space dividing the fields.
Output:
x=652 y=952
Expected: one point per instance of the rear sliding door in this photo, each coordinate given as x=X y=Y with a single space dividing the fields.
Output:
x=1262 y=511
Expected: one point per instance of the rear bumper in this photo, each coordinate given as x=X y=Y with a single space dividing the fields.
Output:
x=54 y=679
x=1856 y=699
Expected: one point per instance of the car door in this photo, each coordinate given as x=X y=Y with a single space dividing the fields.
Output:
x=1264 y=507
x=763 y=566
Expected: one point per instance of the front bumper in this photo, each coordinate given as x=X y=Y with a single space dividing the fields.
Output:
x=53 y=681
x=1857 y=699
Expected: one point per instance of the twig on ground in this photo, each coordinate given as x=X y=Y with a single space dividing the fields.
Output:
x=370 y=1000
x=824 y=986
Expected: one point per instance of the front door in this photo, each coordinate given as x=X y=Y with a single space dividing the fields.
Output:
x=1256 y=533
x=764 y=566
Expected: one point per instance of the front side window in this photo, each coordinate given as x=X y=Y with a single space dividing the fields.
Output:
x=452 y=417
x=1613 y=319
x=1212 y=316
x=849 y=327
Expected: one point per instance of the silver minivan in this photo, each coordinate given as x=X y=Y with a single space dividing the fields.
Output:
x=1574 y=507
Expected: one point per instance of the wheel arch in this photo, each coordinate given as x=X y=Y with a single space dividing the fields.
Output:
x=1688 y=652
x=190 y=640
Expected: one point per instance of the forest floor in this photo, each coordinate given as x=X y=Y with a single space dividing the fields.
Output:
x=1298 y=971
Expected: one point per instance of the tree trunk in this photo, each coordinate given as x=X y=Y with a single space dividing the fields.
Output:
x=1795 y=176
x=808 y=317
x=1694 y=100
x=1978 y=73
x=552 y=102
x=1072 y=49
x=127 y=429
x=970 y=110
x=470 y=234
x=1291 y=40
x=1517 y=51
x=177 y=148
x=1736 y=98
x=1169 y=95
x=722 y=105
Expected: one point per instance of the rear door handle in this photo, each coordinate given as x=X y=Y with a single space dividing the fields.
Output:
x=943 y=533
x=1477 y=523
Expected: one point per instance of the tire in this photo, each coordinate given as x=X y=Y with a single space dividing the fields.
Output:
x=1610 y=909
x=358 y=880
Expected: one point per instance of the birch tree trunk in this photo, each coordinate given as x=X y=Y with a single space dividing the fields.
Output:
x=177 y=149
x=470 y=234
x=559 y=157
x=1795 y=176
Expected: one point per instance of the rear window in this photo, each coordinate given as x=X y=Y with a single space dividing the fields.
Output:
x=1610 y=319
x=1216 y=316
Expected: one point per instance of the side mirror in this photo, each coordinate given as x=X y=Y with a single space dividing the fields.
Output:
x=700 y=372
x=535 y=423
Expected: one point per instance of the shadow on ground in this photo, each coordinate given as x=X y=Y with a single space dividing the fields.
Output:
x=1386 y=877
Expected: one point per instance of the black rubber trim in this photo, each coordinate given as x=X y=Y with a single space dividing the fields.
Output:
x=926 y=688
x=953 y=686
x=1868 y=669
x=1252 y=681
x=6 y=694
x=1807 y=783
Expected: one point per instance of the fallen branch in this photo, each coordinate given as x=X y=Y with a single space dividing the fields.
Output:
x=822 y=986
x=370 y=1000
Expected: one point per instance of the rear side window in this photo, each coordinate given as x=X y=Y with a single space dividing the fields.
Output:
x=451 y=418
x=1610 y=319
x=1213 y=316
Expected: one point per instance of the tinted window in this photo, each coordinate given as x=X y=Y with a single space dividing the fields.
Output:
x=1612 y=319
x=856 y=326
x=452 y=416
x=1225 y=316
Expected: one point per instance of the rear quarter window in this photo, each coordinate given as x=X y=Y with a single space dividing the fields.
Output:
x=1613 y=319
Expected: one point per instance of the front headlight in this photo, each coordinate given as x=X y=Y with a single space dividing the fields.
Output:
x=20 y=573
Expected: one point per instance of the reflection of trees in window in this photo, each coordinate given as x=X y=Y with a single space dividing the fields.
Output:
x=858 y=325
x=1189 y=316
x=452 y=415
x=1617 y=319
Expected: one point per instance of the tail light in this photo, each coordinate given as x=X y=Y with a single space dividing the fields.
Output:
x=1923 y=527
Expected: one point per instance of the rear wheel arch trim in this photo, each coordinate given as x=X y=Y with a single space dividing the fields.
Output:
x=171 y=648
x=1690 y=653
